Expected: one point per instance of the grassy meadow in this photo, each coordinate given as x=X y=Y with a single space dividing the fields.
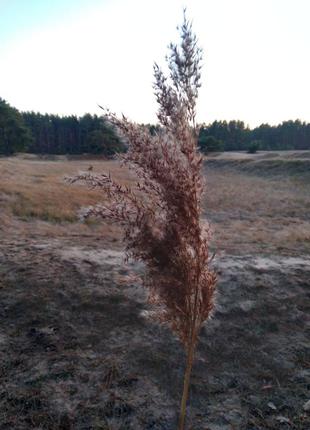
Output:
x=250 y=206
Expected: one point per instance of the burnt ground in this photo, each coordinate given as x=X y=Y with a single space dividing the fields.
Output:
x=78 y=353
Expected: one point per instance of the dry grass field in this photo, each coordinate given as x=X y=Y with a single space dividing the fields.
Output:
x=76 y=350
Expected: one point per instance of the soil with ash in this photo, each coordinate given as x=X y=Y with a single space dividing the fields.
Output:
x=78 y=352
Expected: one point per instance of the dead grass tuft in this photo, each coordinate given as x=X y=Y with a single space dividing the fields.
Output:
x=258 y=212
x=32 y=190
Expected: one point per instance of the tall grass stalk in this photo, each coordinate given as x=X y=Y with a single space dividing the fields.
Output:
x=161 y=212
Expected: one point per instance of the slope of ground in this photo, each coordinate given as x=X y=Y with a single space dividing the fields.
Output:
x=294 y=164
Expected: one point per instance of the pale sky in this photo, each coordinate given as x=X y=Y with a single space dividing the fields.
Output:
x=68 y=56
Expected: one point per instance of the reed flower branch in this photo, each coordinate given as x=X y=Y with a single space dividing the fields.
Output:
x=161 y=213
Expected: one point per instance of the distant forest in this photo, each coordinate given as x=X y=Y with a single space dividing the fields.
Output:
x=52 y=134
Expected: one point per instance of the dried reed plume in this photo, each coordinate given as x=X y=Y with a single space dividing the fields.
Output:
x=161 y=212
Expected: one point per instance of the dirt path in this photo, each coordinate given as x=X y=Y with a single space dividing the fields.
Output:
x=77 y=351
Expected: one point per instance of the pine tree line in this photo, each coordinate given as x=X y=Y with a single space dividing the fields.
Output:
x=52 y=134
x=235 y=136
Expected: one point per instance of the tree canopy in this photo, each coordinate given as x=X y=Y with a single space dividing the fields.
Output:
x=14 y=135
x=53 y=134
x=236 y=136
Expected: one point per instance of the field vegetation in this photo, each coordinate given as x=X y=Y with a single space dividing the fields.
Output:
x=270 y=207
x=76 y=349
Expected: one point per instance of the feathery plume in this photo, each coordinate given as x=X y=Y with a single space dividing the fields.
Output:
x=161 y=212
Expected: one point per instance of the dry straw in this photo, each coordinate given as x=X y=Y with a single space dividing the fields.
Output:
x=161 y=212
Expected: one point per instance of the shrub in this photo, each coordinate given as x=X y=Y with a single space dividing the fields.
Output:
x=210 y=144
x=254 y=146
